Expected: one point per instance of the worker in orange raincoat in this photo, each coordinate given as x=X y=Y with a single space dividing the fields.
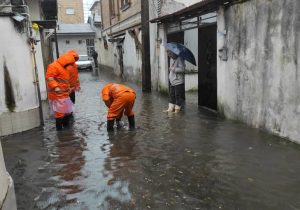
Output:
x=58 y=82
x=74 y=78
x=119 y=99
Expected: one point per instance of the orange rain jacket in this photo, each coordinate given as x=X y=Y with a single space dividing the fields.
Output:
x=58 y=76
x=73 y=69
x=118 y=98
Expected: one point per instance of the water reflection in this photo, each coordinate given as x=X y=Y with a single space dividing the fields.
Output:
x=70 y=150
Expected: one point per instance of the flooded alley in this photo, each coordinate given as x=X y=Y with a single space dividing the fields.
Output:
x=193 y=160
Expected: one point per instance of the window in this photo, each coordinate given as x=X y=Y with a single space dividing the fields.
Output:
x=67 y=41
x=125 y=4
x=79 y=41
x=70 y=11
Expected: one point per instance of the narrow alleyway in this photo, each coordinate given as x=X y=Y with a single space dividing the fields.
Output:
x=193 y=160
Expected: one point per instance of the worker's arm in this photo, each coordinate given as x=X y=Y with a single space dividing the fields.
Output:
x=50 y=78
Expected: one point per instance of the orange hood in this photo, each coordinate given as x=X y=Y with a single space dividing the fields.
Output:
x=65 y=59
x=74 y=54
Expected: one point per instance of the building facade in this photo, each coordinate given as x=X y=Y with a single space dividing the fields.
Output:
x=70 y=11
x=80 y=37
x=120 y=44
x=247 y=65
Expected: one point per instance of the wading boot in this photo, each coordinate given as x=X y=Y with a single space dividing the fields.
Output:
x=59 y=123
x=118 y=123
x=66 y=120
x=177 y=109
x=110 y=125
x=131 y=122
x=170 y=108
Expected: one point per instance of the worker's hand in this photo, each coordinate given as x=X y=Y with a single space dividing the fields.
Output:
x=77 y=89
x=57 y=89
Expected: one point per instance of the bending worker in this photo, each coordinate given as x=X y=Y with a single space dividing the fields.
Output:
x=58 y=83
x=119 y=99
x=74 y=78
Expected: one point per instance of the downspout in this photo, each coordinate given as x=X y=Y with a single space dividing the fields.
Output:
x=56 y=44
x=36 y=82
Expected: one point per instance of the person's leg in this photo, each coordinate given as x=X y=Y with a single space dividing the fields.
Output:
x=179 y=95
x=172 y=99
x=59 y=119
x=114 y=112
x=72 y=97
x=130 y=99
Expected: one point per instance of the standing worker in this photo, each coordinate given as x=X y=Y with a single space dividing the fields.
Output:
x=119 y=99
x=58 y=82
x=74 y=78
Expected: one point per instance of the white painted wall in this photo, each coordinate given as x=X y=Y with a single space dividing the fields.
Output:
x=3 y=178
x=17 y=57
x=132 y=59
x=106 y=56
x=7 y=193
x=260 y=84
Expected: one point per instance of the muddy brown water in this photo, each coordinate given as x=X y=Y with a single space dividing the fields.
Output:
x=193 y=160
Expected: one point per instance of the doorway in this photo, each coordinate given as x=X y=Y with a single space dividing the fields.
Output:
x=207 y=67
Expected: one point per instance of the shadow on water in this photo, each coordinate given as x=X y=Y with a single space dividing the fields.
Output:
x=192 y=160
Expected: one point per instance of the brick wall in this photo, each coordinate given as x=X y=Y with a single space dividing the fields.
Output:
x=74 y=8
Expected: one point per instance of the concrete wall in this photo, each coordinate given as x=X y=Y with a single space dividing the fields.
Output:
x=16 y=56
x=7 y=193
x=259 y=84
x=132 y=58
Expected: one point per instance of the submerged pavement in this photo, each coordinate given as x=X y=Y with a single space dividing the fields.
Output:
x=193 y=160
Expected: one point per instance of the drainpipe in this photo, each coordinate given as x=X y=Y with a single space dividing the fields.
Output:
x=56 y=44
x=32 y=42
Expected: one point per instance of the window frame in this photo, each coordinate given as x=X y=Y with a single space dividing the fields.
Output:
x=125 y=4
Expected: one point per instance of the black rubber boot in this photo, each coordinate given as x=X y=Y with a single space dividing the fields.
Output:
x=110 y=125
x=66 y=121
x=118 y=123
x=131 y=122
x=59 y=123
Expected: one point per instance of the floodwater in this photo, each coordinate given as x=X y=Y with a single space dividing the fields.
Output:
x=193 y=160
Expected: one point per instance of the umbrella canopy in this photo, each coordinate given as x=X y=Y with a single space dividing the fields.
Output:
x=181 y=51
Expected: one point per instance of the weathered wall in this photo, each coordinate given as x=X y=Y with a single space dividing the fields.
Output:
x=132 y=58
x=259 y=84
x=7 y=194
x=107 y=56
x=16 y=58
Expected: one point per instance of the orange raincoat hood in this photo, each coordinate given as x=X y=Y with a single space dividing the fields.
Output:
x=74 y=54
x=66 y=59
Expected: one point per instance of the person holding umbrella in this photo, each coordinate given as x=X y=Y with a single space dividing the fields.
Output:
x=178 y=53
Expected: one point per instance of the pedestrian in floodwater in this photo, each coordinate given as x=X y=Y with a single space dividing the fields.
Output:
x=176 y=79
x=74 y=78
x=58 y=82
x=119 y=99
